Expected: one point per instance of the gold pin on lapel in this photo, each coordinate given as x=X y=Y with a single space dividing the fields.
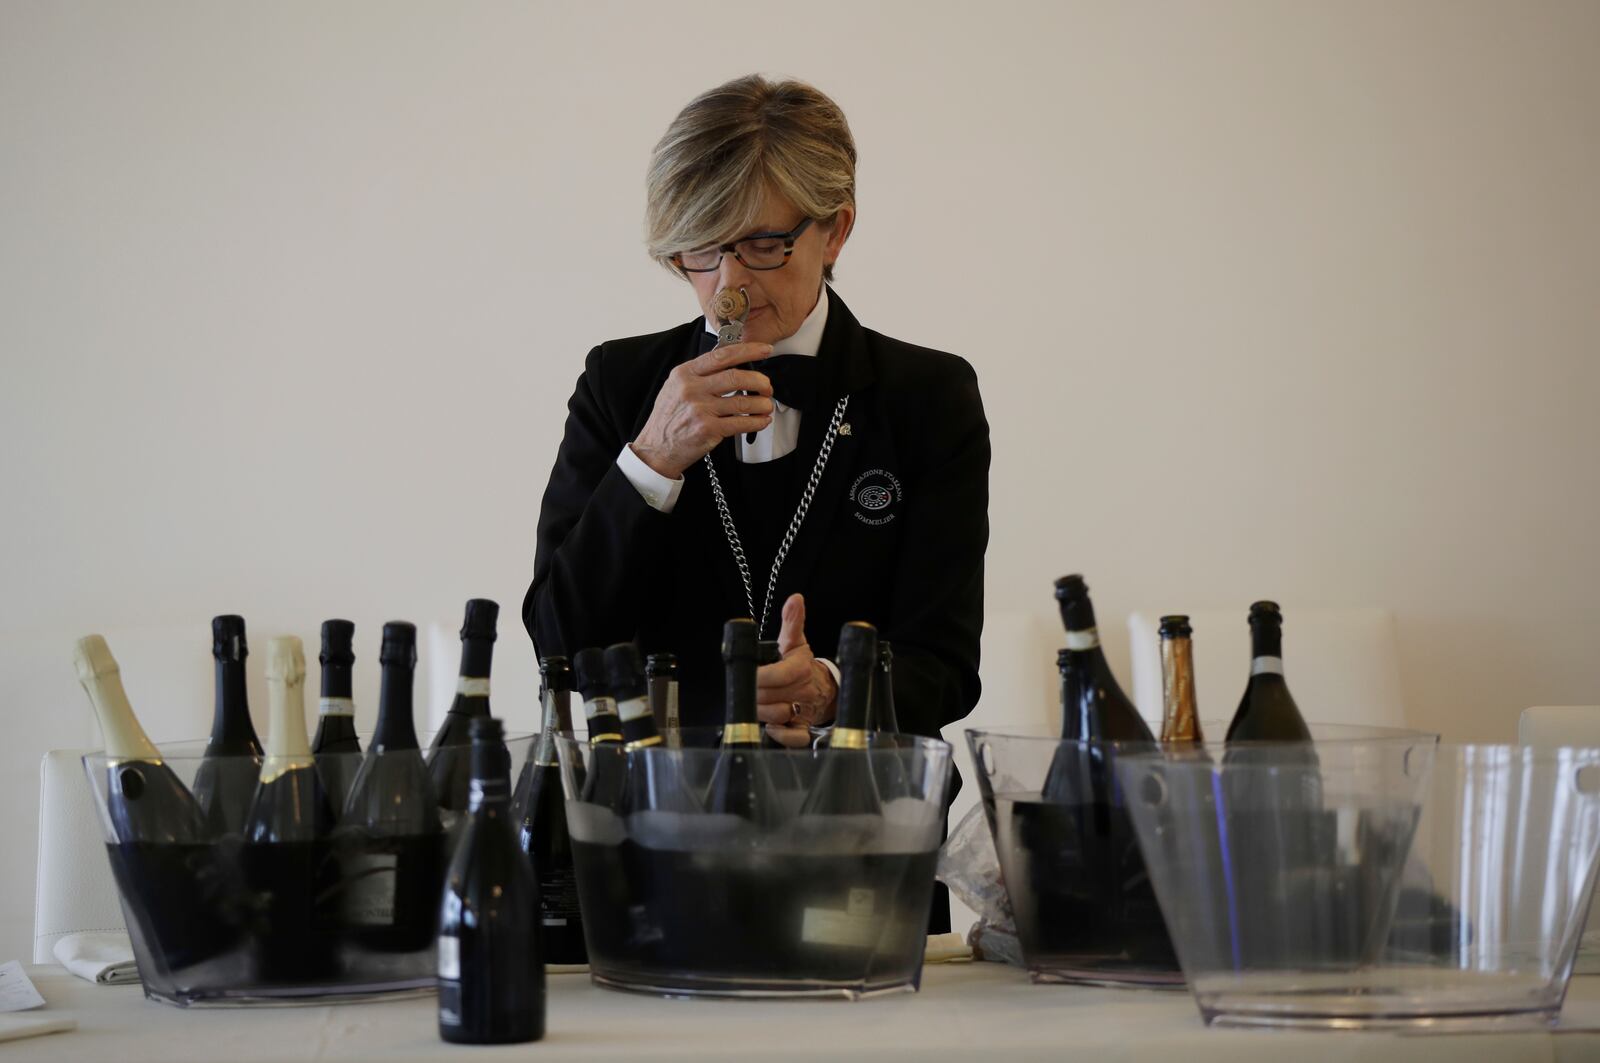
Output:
x=844 y=429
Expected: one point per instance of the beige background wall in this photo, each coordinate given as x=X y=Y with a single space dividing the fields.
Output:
x=1267 y=299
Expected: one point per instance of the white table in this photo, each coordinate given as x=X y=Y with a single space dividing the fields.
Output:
x=966 y=1012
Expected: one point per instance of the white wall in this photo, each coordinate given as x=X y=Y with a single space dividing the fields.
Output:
x=1267 y=299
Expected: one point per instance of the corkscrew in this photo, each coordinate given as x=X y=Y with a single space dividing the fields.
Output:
x=731 y=306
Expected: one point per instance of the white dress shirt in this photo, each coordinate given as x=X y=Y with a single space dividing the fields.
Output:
x=776 y=440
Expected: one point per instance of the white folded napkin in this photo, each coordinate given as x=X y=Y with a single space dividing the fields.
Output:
x=105 y=959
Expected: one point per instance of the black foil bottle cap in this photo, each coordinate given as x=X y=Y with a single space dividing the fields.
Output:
x=1072 y=598
x=557 y=672
x=227 y=638
x=1176 y=626
x=662 y=665
x=739 y=640
x=338 y=640
x=625 y=672
x=399 y=643
x=590 y=666
x=858 y=644
x=767 y=652
x=482 y=616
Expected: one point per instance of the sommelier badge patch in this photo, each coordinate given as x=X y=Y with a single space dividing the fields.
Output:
x=877 y=495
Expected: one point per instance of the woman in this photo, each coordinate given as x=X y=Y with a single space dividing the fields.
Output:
x=855 y=464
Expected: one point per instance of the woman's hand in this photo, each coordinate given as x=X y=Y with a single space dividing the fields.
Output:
x=695 y=411
x=797 y=692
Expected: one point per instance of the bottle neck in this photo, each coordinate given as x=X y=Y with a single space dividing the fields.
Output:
x=604 y=727
x=490 y=788
x=1266 y=649
x=1180 y=720
x=741 y=727
x=476 y=657
x=396 y=727
x=638 y=723
x=287 y=745
x=119 y=727
x=336 y=682
x=855 y=700
x=545 y=752
x=230 y=722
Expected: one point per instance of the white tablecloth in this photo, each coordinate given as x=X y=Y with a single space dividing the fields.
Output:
x=965 y=1012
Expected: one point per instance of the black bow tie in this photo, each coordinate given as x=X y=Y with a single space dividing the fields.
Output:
x=793 y=376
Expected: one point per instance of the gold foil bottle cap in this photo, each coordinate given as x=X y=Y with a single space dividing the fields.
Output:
x=730 y=304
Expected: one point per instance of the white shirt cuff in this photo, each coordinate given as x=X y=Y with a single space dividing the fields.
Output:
x=660 y=492
x=830 y=666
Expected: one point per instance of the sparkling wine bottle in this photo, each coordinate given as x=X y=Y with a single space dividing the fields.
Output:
x=662 y=671
x=491 y=956
x=1180 y=717
x=741 y=780
x=394 y=841
x=1267 y=711
x=845 y=785
x=607 y=778
x=336 y=747
x=226 y=779
x=162 y=853
x=1093 y=706
x=290 y=804
x=449 y=757
x=285 y=859
x=891 y=769
x=145 y=799
x=540 y=813
x=654 y=783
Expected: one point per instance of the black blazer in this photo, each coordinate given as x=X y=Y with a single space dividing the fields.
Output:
x=895 y=535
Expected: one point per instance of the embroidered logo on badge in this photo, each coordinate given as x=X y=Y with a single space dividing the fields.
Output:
x=877 y=494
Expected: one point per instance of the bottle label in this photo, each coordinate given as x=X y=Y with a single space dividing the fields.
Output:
x=601 y=706
x=633 y=709
x=449 y=956
x=337 y=707
x=469 y=687
x=1087 y=639
x=1266 y=666
x=852 y=928
x=370 y=899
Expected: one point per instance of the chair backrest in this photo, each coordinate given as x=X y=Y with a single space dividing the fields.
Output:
x=74 y=891
x=1342 y=664
x=1559 y=725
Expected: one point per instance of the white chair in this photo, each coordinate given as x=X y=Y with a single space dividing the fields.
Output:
x=1546 y=726
x=74 y=891
x=1342 y=664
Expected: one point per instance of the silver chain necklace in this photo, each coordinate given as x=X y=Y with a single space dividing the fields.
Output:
x=732 y=532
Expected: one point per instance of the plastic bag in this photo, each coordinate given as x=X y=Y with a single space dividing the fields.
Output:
x=969 y=866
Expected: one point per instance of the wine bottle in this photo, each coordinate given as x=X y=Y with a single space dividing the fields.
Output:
x=1180 y=717
x=607 y=778
x=491 y=960
x=541 y=819
x=741 y=780
x=449 y=757
x=1267 y=711
x=654 y=784
x=845 y=785
x=285 y=858
x=226 y=780
x=1093 y=706
x=161 y=853
x=882 y=717
x=662 y=671
x=336 y=747
x=893 y=781
x=145 y=799
x=290 y=804
x=394 y=847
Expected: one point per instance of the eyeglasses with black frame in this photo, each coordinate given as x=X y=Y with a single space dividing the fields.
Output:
x=759 y=251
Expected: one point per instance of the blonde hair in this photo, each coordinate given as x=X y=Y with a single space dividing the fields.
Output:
x=733 y=146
